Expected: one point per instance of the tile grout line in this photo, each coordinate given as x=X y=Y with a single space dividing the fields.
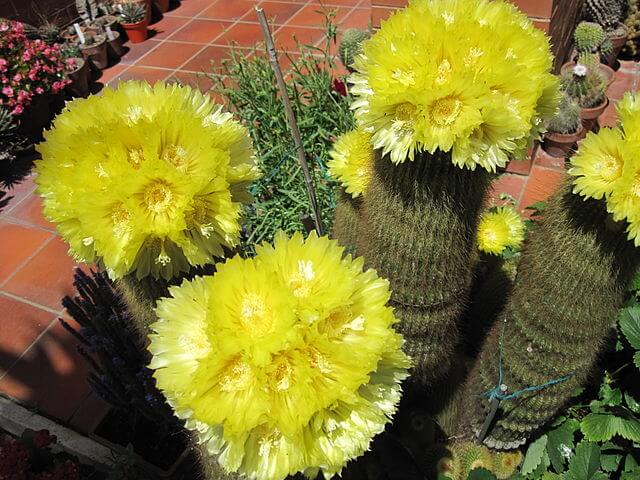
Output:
x=28 y=349
x=13 y=207
x=27 y=260
x=27 y=224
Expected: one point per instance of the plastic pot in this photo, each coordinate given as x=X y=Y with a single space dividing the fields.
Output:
x=137 y=32
x=589 y=116
x=561 y=145
x=80 y=79
x=605 y=70
x=115 y=47
x=96 y=52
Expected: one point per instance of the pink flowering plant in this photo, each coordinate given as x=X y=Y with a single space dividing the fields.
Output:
x=27 y=67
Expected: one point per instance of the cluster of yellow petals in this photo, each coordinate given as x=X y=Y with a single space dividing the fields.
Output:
x=283 y=363
x=500 y=228
x=352 y=160
x=146 y=179
x=607 y=165
x=470 y=77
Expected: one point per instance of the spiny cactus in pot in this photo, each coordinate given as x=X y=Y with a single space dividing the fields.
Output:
x=571 y=282
x=134 y=21
x=587 y=86
x=564 y=129
x=610 y=15
x=632 y=22
x=351 y=45
x=434 y=157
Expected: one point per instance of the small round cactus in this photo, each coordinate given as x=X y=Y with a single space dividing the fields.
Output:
x=588 y=37
x=567 y=120
x=351 y=46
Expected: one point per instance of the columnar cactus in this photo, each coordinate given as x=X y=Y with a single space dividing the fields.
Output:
x=347 y=220
x=570 y=284
x=87 y=9
x=588 y=36
x=608 y=13
x=351 y=45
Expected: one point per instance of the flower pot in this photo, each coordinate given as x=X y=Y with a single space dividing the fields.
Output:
x=605 y=70
x=617 y=42
x=115 y=47
x=137 y=32
x=36 y=117
x=96 y=52
x=162 y=5
x=589 y=116
x=80 y=79
x=561 y=145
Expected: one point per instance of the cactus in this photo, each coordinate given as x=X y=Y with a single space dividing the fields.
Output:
x=87 y=9
x=418 y=231
x=588 y=36
x=567 y=119
x=571 y=282
x=586 y=85
x=351 y=46
x=346 y=220
x=464 y=457
x=632 y=22
x=608 y=13
x=132 y=13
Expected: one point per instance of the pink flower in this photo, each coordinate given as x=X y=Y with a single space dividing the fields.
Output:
x=39 y=90
x=8 y=91
x=17 y=77
x=17 y=110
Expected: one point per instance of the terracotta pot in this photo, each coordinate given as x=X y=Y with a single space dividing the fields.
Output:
x=605 y=70
x=589 y=116
x=617 y=43
x=115 y=47
x=80 y=79
x=561 y=145
x=96 y=52
x=137 y=32
x=162 y=5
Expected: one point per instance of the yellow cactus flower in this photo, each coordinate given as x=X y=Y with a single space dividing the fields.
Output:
x=146 y=179
x=482 y=97
x=287 y=362
x=498 y=229
x=352 y=160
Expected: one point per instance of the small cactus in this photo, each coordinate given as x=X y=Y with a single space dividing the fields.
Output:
x=132 y=13
x=585 y=85
x=351 y=46
x=567 y=119
x=608 y=13
x=588 y=37
x=87 y=9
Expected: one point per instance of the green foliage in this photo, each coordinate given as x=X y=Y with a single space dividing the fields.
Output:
x=322 y=114
x=588 y=36
x=351 y=46
x=132 y=12
x=10 y=139
x=567 y=119
x=587 y=89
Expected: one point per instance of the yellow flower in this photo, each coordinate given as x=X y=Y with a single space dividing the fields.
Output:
x=482 y=96
x=146 y=179
x=598 y=163
x=352 y=160
x=284 y=363
x=500 y=228
x=628 y=109
x=624 y=201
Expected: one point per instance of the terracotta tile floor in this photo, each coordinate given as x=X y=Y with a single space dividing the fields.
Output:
x=39 y=365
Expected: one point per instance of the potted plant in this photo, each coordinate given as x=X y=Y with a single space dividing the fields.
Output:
x=94 y=48
x=587 y=87
x=610 y=15
x=115 y=44
x=564 y=129
x=591 y=44
x=134 y=22
x=162 y=5
x=78 y=72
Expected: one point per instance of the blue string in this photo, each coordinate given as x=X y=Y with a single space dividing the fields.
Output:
x=500 y=392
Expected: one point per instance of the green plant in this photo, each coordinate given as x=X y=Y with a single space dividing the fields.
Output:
x=570 y=285
x=608 y=13
x=87 y=9
x=91 y=39
x=132 y=13
x=584 y=84
x=567 y=119
x=632 y=22
x=322 y=112
x=351 y=45
x=588 y=36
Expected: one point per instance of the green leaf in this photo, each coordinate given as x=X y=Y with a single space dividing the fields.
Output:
x=541 y=468
x=630 y=463
x=636 y=359
x=630 y=325
x=632 y=403
x=534 y=455
x=586 y=462
x=560 y=445
x=611 y=396
x=602 y=427
x=609 y=463
x=481 y=474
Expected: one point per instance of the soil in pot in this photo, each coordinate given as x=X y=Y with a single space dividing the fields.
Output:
x=160 y=448
x=589 y=116
x=561 y=145
x=137 y=32
x=95 y=49
x=80 y=79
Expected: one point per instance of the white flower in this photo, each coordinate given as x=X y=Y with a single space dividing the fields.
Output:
x=580 y=70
